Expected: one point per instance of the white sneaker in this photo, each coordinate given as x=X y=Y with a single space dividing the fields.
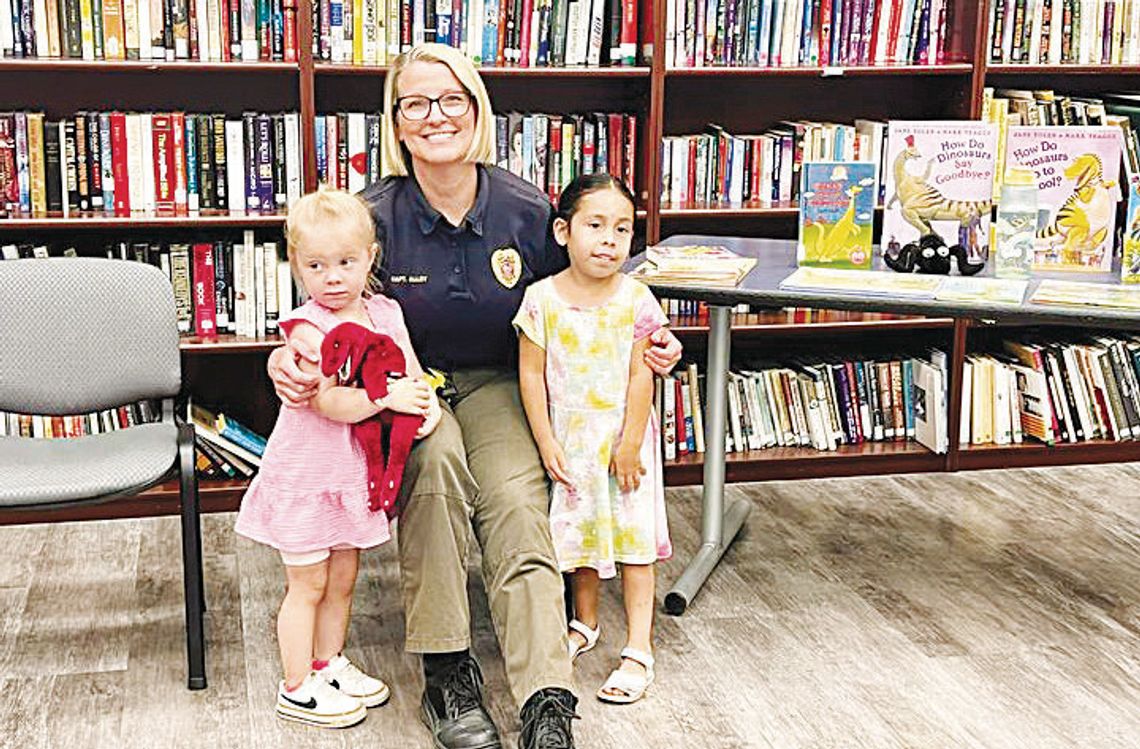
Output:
x=342 y=674
x=317 y=703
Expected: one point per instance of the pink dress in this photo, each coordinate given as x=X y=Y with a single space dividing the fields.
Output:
x=311 y=492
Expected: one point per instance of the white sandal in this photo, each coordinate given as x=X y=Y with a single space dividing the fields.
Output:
x=591 y=636
x=624 y=687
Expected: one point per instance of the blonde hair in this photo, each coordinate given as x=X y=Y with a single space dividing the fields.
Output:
x=482 y=149
x=324 y=207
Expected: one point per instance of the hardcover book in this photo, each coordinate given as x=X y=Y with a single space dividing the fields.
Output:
x=939 y=181
x=1078 y=172
x=836 y=217
x=1130 y=264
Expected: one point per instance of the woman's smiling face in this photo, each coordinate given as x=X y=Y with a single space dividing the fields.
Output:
x=439 y=138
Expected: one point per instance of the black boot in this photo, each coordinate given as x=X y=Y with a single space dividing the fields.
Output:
x=546 y=720
x=453 y=709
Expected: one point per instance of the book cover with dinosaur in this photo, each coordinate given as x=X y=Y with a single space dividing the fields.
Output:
x=940 y=181
x=837 y=213
x=1078 y=173
x=1130 y=264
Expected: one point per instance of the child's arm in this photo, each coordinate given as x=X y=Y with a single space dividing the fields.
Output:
x=532 y=385
x=626 y=461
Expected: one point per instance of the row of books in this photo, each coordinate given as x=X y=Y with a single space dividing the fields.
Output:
x=203 y=30
x=527 y=33
x=224 y=447
x=80 y=425
x=550 y=150
x=790 y=33
x=169 y=163
x=687 y=312
x=222 y=286
x=1053 y=392
x=547 y=150
x=1053 y=32
x=821 y=405
x=718 y=167
x=1046 y=107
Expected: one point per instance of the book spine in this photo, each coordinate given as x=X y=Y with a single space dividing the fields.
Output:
x=205 y=305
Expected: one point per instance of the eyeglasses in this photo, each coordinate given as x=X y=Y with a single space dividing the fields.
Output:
x=415 y=107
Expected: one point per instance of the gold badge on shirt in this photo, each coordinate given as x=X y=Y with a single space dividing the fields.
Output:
x=506 y=264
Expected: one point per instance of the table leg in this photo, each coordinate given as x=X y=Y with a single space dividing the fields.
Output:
x=718 y=526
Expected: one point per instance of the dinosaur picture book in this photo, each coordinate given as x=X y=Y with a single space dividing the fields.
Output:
x=939 y=181
x=1078 y=173
x=837 y=212
x=1130 y=264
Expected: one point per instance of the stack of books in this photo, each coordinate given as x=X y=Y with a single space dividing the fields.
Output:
x=699 y=265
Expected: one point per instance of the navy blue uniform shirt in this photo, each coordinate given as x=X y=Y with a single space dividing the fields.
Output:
x=460 y=286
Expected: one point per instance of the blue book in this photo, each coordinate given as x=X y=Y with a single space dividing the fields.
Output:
x=191 y=142
x=908 y=395
x=105 y=162
x=491 y=33
x=240 y=434
x=836 y=216
x=320 y=137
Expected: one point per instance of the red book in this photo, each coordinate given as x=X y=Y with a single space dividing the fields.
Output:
x=630 y=151
x=689 y=194
x=825 y=32
x=893 y=31
x=853 y=394
x=289 y=7
x=500 y=49
x=9 y=175
x=119 y=164
x=554 y=149
x=205 y=320
x=524 y=33
x=178 y=159
x=614 y=147
x=58 y=428
x=162 y=137
x=629 y=32
x=192 y=27
x=679 y=415
x=224 y=31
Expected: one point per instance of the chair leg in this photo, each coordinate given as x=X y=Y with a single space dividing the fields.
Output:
x=192 y=560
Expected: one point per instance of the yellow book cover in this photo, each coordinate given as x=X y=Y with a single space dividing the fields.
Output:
x=357 y=32
x=36 y=162
x=87 y=29
x=114 y=47
x=130 y=29
x=55 y=47
x=1130 y=264
x=380 y=56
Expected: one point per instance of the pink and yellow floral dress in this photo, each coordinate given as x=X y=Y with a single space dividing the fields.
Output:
x=594 y=524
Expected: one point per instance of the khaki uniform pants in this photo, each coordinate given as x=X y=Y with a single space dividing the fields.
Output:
x=481 y=467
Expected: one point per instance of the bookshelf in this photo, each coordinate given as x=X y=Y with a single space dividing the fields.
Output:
x=667 y=100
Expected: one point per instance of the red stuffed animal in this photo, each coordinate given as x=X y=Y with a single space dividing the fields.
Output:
x=359 y=356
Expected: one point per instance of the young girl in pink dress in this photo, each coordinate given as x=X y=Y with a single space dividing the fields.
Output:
x=587 y=393
x=310 y=498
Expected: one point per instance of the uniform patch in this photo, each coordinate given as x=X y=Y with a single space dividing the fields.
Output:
x=506 y=264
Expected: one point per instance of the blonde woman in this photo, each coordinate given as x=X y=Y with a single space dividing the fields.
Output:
x=463 y=240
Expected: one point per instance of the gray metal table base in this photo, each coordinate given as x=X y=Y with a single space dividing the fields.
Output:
x=719 y=525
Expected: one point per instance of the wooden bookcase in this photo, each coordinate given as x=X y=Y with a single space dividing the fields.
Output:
x=230 y=372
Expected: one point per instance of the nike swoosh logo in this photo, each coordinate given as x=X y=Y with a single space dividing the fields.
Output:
x=310 y=705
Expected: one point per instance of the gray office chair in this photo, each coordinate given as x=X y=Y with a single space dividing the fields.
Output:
x=79 y=335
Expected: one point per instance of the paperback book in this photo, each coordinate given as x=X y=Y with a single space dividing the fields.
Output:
x=939 y=178
x=1078 y=172
x=1130 y=264
x=837 y=212
x=693 y=264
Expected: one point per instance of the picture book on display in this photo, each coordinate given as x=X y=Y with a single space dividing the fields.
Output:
x=837 y=212
x=1130 y=264
x=935 y=173
x=1078 y=172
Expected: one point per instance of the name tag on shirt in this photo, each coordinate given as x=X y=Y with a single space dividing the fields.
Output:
x=409 y=278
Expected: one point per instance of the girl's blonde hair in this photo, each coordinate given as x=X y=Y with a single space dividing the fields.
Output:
x=482 y=148
x=326 y=207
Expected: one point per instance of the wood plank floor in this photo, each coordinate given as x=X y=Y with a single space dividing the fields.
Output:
x=988 y=609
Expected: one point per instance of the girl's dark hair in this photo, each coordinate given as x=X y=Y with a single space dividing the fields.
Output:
x=584 y=185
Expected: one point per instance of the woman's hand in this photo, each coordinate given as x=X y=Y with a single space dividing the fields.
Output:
x=554 y=460
x=293 y=385
x=407 y=395
x=431 y=420
x=626 y=466
x=665 y=352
